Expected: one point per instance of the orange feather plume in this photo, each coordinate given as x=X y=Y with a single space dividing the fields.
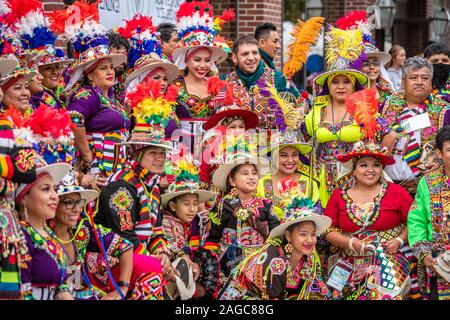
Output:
x=363 y=107
x=305 y=35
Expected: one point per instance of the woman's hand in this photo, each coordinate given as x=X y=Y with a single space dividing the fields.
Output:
x=194 y=266
x=115 y=295
x=93 y=181
x=358 y=245
x=429 y=262
x=166 y=265
x=392 y=246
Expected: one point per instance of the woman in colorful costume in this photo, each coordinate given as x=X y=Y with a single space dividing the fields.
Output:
x=35 y=34
x=197 y=55
x=229 y=118
x=101 y=121
x=368 y=231
x=88 y=246
x=44 y=273
x=287 y=266
x=130 y=203
x=428 y=227
x=329 y=123
x=184 y=228
x=16 y=166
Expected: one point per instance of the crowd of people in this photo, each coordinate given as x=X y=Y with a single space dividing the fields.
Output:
x=136 y=170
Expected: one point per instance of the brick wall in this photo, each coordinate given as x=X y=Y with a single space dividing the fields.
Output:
x=334 y=9
x=52 y=5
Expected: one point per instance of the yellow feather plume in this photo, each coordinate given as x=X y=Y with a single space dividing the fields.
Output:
x=343 y=44
x=305 y=35
x=289 y=110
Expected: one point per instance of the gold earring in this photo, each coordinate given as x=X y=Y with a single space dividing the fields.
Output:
x=288 y=248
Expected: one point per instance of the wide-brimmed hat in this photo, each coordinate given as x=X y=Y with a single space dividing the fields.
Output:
x=68 y=185
x=371 y=50
x=301 y=210
x=197 y=28
x=56 y=170
x=184 y=284
x=145 y=65
x=368 y=149
x=220 y=175
x=291 y=138
x=344 y=53
x=145 y=52
x=33 y=29
x=19 y=72
x=7 y=65
x=186 y=182
x=152 y=111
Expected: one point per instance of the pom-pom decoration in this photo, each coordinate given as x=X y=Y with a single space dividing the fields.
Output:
x=142 y=36
x=150 y=106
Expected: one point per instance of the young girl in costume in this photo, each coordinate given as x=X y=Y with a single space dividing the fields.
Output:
x=183 y=226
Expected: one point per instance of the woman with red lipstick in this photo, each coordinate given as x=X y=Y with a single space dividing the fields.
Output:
x=78 y=236
x=101 y=121
x=329 y=123
x=287 y=266
x=197 y=55
x=368 y=230
x=287 y=150
x=44 y=274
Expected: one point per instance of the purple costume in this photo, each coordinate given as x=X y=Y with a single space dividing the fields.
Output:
x=107 y=124
x=44 y=272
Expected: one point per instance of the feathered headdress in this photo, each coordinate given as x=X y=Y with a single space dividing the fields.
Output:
x=344 y=48
x=363 y=106
x=79 y=24
x=48 y=130
x=285 y=113
x=305 y=35
x=152 y=111
x=142 y=36
x=198 y=27
x=34 y=31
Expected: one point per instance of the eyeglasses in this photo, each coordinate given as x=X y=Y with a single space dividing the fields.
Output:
x=70 y=204
x=374 y=63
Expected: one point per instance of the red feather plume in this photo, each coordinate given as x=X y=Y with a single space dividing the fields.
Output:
x=50 y=123
x=363 y=107
x=137 y=24
x=172 y=93
x=188 y=9
x=215 y=85
x=350 y=19
x=228 y=15
x=19 y=10
x=59 y=18
x=15 y=116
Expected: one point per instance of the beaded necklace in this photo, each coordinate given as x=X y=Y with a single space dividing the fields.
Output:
x=376 y=207
x=198 y=107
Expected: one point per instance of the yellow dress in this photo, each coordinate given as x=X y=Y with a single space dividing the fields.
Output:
x=265 y=189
